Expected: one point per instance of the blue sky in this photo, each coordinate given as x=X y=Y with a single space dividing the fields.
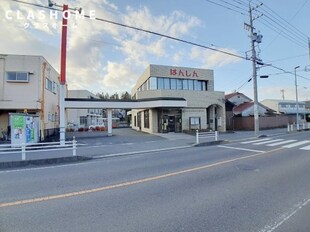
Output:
x=107 y=58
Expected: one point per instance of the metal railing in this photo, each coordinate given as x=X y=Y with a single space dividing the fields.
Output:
x=204 y=135
x=297 y=127
x=38 y=147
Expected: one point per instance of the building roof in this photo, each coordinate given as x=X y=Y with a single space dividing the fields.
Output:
x=231 y=95
x=242 y=107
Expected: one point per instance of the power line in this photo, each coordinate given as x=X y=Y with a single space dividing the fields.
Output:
x=226 y=7
x=146 y=31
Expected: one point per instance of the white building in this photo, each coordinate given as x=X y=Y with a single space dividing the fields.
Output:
x=29 y=84
x=205 y=107
x=287 y=107
x=83 y=118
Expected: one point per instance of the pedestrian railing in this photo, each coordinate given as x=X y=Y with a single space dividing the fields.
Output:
x=25 y=148
x=298 y=127
x=206 y=135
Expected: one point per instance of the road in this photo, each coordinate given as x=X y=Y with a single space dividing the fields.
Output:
x=241 y=186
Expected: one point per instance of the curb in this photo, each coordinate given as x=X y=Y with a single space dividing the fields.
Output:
x=211 y=143
x=24 y=163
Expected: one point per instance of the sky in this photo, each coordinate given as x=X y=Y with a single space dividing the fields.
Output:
x=103 y=57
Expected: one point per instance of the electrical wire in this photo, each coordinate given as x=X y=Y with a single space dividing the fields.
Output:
x=227 y=7
x=147 y=31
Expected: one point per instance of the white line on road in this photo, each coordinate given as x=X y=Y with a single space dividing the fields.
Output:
x=257 y=140
x=130 y=183
x=241 y=149
x=306 y=148
x=280 y=143
x=269 y=141
x=286 y=216
x=297 y=144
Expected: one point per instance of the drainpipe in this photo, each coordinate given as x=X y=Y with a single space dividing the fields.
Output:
x=42 y=101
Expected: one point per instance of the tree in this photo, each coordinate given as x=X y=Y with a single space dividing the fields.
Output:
x=125 y=96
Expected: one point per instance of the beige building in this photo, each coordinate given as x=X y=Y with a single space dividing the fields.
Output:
x=205 y=107
x=29 y=84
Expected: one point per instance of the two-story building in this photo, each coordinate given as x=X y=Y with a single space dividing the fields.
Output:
x=205 y=107
x=29 y=84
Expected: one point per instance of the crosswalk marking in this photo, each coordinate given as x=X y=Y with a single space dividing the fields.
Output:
x=268 y=141
x=307 y=148
x=257 y=140
x=297 y=144
x=280 y=143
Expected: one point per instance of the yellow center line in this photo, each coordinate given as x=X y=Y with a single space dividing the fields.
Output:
x=126 y=184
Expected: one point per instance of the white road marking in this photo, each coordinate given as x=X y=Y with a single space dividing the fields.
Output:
x=240 y=149
x=286 y=216
x=257 y=140
x=296 y=144
x=307 y=148
x=280 y=143
x=269 y=141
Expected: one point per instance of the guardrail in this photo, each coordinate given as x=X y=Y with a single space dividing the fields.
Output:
x=297 y=127
x=38 y=147
x=201 y=135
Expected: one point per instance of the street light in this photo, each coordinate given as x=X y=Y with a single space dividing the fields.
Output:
x=297 y=109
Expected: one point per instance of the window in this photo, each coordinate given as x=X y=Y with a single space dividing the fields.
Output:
x=179 y=84
x=49 y=84
x=160 y=83
x=146 y=119
x=153 y=83
x=203 y=85
x=166 y=83
x=17 y=76
x=191 y=84
x=173 y=83
x=55 y=87
x=185 y=84
x=83 y=120
x=197 y=85
x=194 y=123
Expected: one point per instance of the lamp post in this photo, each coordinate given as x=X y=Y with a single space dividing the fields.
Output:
x=297 y=106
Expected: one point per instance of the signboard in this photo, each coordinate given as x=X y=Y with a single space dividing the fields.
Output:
x=24 y=129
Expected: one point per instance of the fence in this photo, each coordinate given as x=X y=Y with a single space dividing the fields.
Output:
x=38 y=147
x=298 y=127
x=203 y=135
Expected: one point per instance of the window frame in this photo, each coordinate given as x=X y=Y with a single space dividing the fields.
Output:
x=16 y=77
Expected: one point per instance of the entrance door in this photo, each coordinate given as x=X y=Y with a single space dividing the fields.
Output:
x=171 y=124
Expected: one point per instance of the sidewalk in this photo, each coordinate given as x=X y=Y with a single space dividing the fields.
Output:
x=128 y=142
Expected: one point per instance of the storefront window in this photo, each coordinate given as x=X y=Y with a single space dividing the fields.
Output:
x=146 y=119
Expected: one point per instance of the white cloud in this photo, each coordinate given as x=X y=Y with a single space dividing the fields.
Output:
x=212 y=59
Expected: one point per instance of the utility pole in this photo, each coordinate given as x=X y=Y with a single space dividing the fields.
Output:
x=282 y=93
x=254 y=38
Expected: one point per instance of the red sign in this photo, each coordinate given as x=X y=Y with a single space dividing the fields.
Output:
x=183 y=73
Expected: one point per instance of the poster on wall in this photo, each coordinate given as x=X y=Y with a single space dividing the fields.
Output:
x=24 y=129
x=18 y=125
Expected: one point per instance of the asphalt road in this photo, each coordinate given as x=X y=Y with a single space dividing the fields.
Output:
x=242 y=186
